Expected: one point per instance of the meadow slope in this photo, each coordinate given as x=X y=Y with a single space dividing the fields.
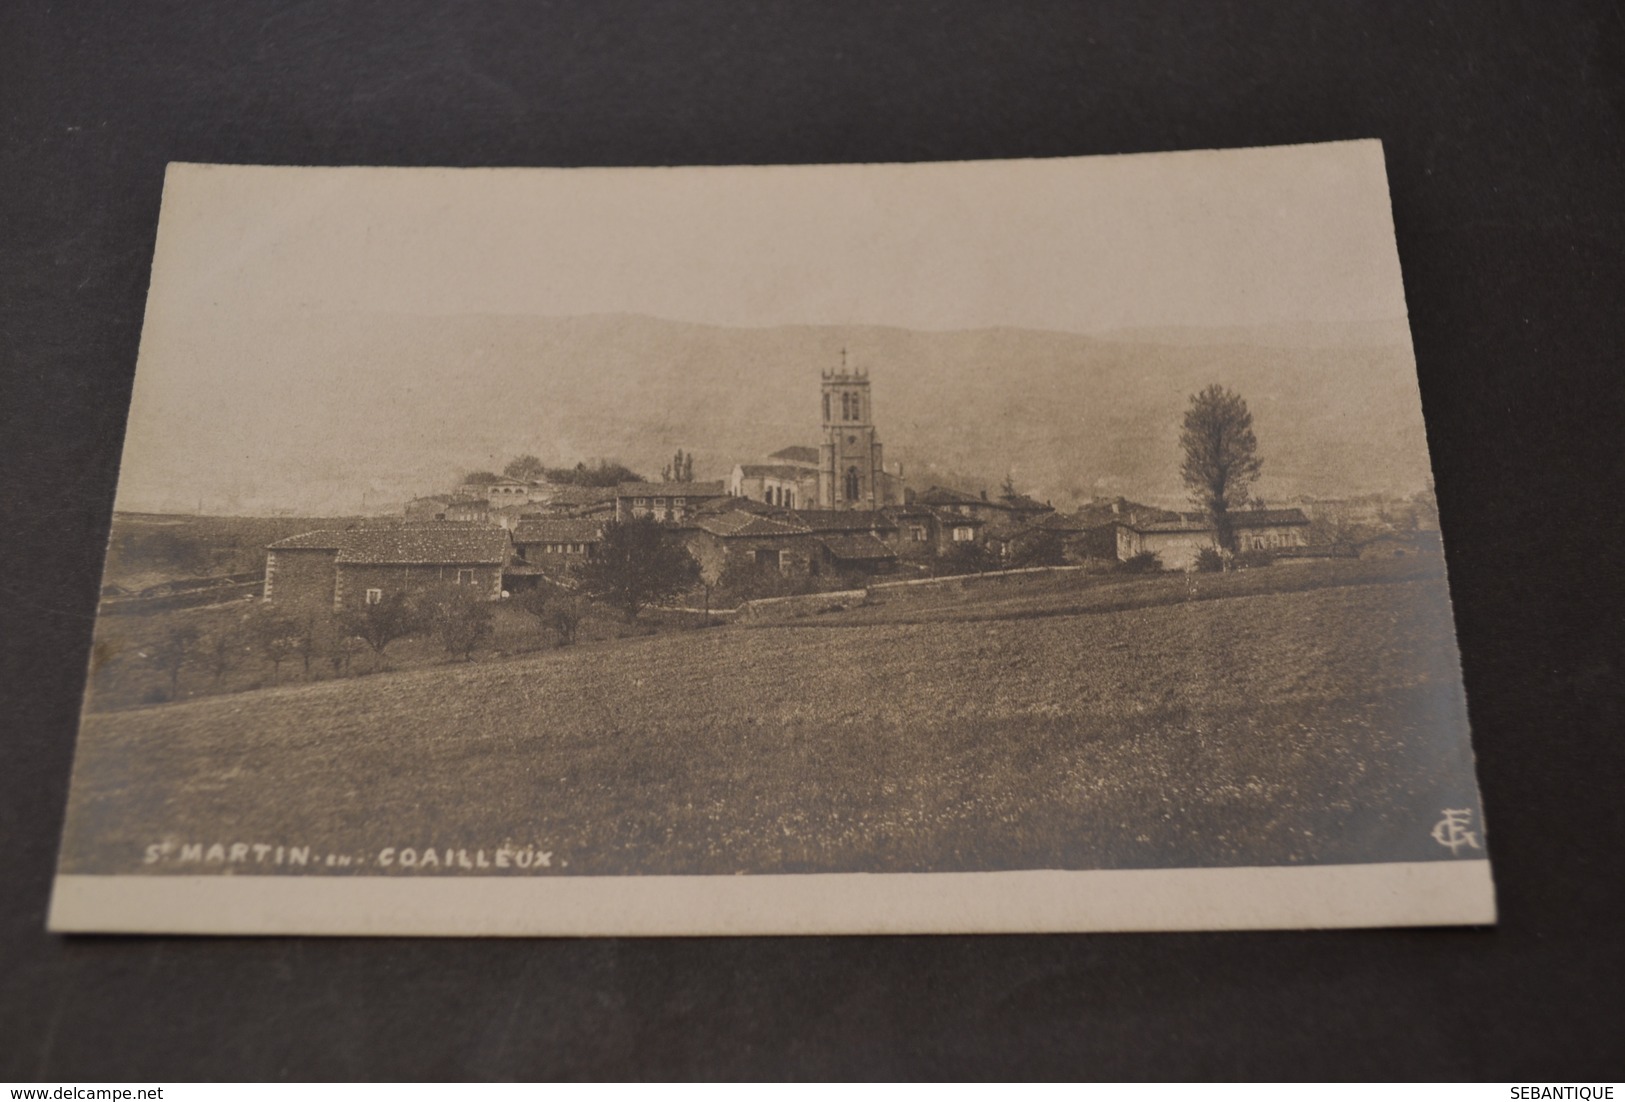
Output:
x=1317 y=726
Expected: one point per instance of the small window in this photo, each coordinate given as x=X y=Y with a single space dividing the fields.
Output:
x=640 y=501
x=919 y=535
x=765 y=557
x=375 y=596
x=660 y=503
x=465 y=577
x=964 y=535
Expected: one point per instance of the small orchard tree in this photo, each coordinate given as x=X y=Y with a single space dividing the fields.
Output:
x=533 y=603
x=225 y=646
x=307 y=645
x=565 y=618
x=378 y=625
x=1221 y=458
x=276 y=636
x=171 y=652
x=335 y=643
x=638 y=564
x=459 y=619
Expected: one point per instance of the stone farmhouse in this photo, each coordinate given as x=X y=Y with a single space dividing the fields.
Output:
x=348 y=568
x=1177 y=538
x=551 y=546
x=668 y=502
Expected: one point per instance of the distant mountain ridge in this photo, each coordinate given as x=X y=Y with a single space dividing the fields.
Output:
x=311 y=412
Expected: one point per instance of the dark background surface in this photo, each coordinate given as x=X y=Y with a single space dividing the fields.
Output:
x=1504 y=138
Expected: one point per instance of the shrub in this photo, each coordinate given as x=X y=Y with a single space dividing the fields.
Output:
x=1209 y=561
x=1146 y=562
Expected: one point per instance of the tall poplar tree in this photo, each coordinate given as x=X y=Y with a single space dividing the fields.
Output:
x=1221 y=458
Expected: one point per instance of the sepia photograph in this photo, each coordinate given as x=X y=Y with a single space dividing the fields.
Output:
x=954 y=547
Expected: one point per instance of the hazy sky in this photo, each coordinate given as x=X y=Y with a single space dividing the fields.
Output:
x=1264 y=237
x=1240 y=237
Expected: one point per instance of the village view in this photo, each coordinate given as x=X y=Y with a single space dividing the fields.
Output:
x=806 y=664
x=532 y=557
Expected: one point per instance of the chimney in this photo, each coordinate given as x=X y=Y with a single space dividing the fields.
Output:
x=984 y=495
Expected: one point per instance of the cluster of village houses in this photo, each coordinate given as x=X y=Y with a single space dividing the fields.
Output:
x=836 y=510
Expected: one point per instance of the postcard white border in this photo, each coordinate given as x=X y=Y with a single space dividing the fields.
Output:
x=1433 y=893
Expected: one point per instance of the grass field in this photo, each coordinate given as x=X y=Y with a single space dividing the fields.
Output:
x=1319 y=724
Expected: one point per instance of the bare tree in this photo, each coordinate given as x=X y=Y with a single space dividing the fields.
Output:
x=172 y=651
x=379 y=625
x=460 y=620
x=565 y=618
x=225 y=646
x=277 y=637
x=1221 y=458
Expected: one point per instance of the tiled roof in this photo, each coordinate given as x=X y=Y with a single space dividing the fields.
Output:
x=941 y=495
x=772 y=470
x=581 y=495
x=797 y=454
x=670 y=489
x=1062 y=522
x=558 y=530
x=1162 y=521
x=1166 y=522
x=845 y=520
x=326 y=539
x=741 y=523
x=859 y=548
x=426 y=545
x=741 y=505
x=1268 y=518
x=1023 y=503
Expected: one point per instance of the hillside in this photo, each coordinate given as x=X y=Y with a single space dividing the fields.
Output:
x=317 y=409
x=1316 y=726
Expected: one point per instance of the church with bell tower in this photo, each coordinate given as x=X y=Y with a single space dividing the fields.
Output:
x=851 y=470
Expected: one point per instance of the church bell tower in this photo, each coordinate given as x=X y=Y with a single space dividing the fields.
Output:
x=850 y=467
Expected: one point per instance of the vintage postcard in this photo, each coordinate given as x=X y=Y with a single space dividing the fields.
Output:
x=1037 y=545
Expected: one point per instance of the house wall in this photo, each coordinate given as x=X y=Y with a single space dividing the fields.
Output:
x=300 y=578
x=791 y=493
x=1177 y=550
x=1272 y=537
x=354 y=579
x=905 y=546
x=660 y=506
x=557 y=562
x=715 y=553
